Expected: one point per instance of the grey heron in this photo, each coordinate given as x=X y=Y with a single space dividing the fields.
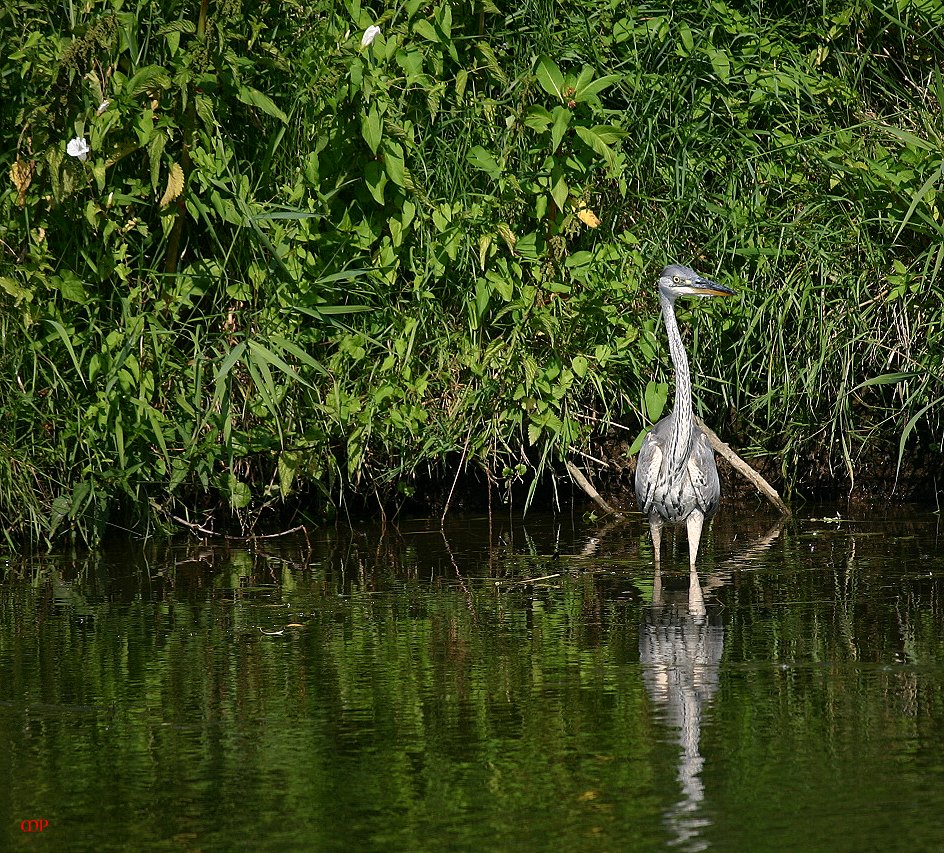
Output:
x=676 y=475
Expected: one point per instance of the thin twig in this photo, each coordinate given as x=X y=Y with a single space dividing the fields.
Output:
x=207 y=532
x=465 y=450
x=528 y=580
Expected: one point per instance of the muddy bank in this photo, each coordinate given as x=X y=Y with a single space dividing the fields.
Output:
x=457 y=487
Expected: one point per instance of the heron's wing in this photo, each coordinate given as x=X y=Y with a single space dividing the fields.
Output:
x=648 y=465
x=704 y=475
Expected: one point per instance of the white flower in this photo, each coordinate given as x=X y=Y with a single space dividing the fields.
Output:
x=78 y=147
x=102 y=107
x=369 y=35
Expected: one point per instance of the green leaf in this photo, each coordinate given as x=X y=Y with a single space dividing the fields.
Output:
x=265 y=386
x=657 y=393
x=608 y=133
x=372 y=128
x=233 y=356
x=903 y=439
x=98 y=172
x=149 y=77
x=239 y=290
x=376 y=180
x=255 y=98
x=204 y=107
x=721 y=63
x=70 y=286
x=298 y=352
x=538 y=118
x=426 y=30
x=154 y=417
x=634 y=447
x=498 y=282
x=579 y=365
x=484 y=160
x=411 y=61
x=60 y=330
x=60 y=509
x=909 y=138
x=182 y=26
x=531 y=246
x=444 y=19
x=483 y=294
x=261 y=353
x=586 y=75
x=15 y=289
x=408 y=211
x=346 y=275
x=592 y=89
x=550 y=77
x=240 y=495
x=395 y=166
x=560 y=192
x=885 y=379
x=491 y=63
x=919 y=195
x=331 y=310
x=562 y=117
x=288 y=466
x=155 y=149
x=596 y=138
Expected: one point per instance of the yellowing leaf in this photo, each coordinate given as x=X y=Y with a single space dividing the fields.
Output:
x=505 y=232
x=175 y=184
x=588 y=217
x=21 y=173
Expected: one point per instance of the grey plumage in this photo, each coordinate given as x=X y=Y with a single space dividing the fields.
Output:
x=676 y=476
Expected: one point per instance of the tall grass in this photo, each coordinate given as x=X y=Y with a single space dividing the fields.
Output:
x=297 y=270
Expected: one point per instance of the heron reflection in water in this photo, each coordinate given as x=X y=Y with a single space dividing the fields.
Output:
x=681 y=643
x=680 y=648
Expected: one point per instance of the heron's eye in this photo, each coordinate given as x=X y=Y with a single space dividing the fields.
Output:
x=676 y=279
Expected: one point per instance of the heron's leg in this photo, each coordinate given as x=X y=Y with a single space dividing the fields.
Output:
x=694 y=523
x=655 y=528
x=696 y=599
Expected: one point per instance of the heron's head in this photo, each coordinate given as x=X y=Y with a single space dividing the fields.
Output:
x=676 y=280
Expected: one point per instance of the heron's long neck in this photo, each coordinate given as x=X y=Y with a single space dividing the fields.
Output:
x=681 y=440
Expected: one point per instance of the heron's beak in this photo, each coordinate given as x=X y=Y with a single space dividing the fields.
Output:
x=707 y=287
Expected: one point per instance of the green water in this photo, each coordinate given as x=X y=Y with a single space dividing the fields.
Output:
x=529 y=686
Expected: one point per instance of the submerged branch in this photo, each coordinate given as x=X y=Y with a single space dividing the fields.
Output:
x=578 y=477
x=743 y=468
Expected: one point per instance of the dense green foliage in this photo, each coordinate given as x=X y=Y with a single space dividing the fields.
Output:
x=297 y=261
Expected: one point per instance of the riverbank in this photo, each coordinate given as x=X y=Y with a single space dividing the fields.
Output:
x=300 y=259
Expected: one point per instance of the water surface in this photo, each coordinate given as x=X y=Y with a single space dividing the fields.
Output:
x=529 y=685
